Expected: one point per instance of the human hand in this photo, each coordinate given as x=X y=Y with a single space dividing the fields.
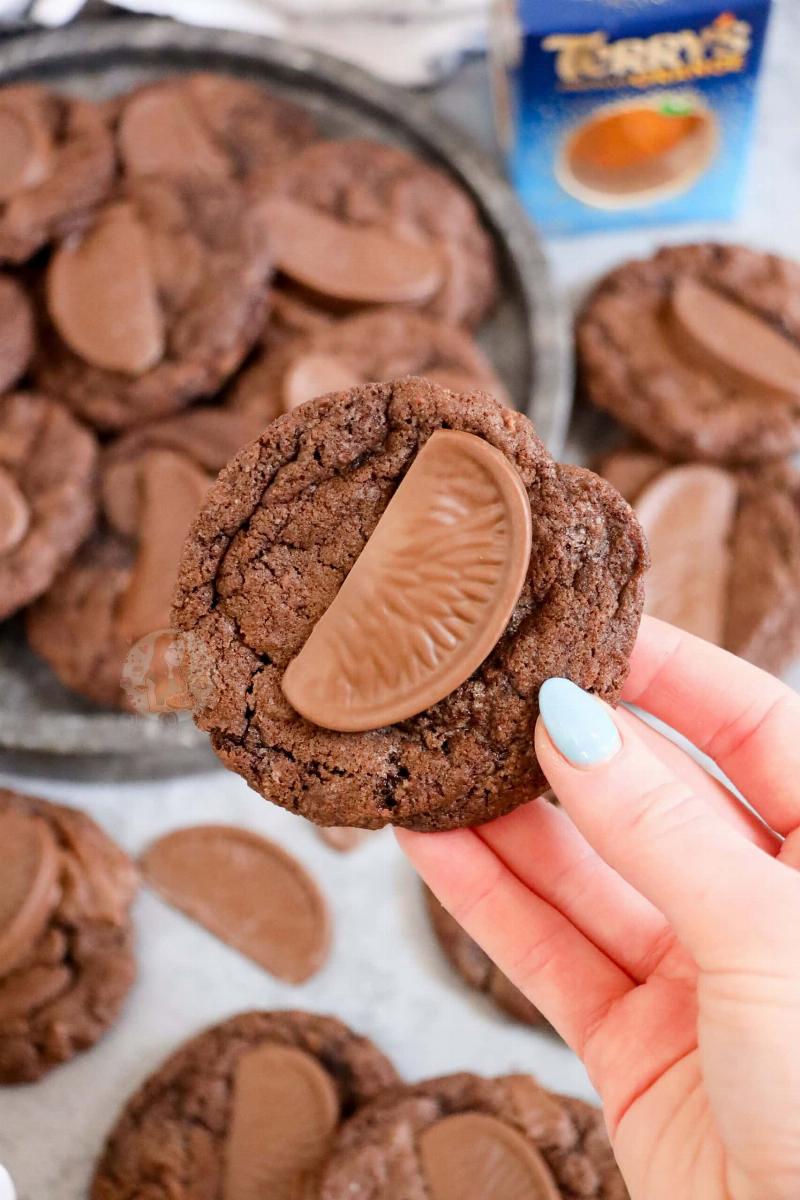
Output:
x=657 y=925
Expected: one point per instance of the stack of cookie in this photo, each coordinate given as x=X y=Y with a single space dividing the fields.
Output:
x=180 y=265
x=696 y=352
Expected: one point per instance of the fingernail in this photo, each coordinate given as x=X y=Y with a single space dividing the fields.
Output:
x=578 y=724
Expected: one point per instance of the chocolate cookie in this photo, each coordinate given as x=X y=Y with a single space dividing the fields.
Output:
x=249 y=1107
x=725 y=547
x=216 y=126
x=493 y=570
x=66 y=945
x=58 y=161
x=118 y=588
x=475 y=966
x=47 y=504
x=360 y=223
x=156 y=302
x=372 y=346
x=463 y=1137
x=16 y=332
x=697 y=351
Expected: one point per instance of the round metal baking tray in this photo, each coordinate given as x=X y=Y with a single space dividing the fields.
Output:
x=526 y=336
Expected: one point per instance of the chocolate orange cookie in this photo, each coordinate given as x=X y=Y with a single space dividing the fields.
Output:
x=476 y=968
x=118 y=588
x=463 y=1137
x=156 y=302
x=725 y=546
x=47 y=502
x=372 y=346
x=58 y=161
x=216 y=126
x=358 y=223
x=16 y=332
x=697 y=351
x=66 y=946
x=383 y=581
x=248 y=1108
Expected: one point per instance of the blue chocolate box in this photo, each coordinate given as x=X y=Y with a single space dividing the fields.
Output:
x=630 y=111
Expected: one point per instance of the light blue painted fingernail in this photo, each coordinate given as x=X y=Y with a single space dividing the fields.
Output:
x=578 y=724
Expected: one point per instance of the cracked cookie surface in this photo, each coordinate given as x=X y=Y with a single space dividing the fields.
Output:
x=273 y=543
x=380 y=1154
x=650 y=377
x=171 y=1138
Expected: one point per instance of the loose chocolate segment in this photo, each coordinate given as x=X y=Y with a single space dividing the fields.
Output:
x=315 y=375
x=24 y=158
x=248 y=892
x=28 y=883
x=472 y=1156
x=15 y=513
x=429 y=596
x=161 y=133
x=733 y=342
x=172 y=490
x=687 y=514
x=358 y=265
x=102 y=296
x=285 y=1111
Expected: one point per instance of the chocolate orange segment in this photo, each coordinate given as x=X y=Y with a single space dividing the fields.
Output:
x=429 y=596
x=102 y=295
x=15 y=514
x=284 y=1113
x=28 y=883
x=247 y=891
x=356 y=264
x=24 y=162
x=471 y=1156
x=687 y=515
x=733 y=342
x=160 y=133
x=314 y=375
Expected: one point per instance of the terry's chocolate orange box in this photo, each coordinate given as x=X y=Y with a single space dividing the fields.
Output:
x=625 y=112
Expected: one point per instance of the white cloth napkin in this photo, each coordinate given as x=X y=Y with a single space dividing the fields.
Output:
x=405 y=41
x=6 y=1186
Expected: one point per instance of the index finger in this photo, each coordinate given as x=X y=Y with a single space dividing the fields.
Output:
x=746 y=720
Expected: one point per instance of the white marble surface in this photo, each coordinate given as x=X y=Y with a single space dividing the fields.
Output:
x=385 y=974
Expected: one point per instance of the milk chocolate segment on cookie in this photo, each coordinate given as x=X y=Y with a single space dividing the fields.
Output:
x=172 y=490
x=315 y=375
x=472 y=1156
x=429 y=595
x=102 y=295
x=28 y=883
x=359 y=265
x=161 y=133
x=285 y=1110
x=248 y=892
x=687 y=515
x=15 y=514
x=732 y=341
x=24 y=160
